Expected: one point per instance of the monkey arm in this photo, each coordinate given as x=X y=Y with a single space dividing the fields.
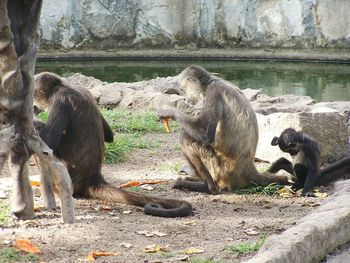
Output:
x=56 y=123
x=107 y=131
x=203 y=128
x=313 y=163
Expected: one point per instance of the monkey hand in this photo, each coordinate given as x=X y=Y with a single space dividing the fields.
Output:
x=166 y=114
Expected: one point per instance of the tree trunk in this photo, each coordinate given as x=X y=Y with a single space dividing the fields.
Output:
x=19 y=43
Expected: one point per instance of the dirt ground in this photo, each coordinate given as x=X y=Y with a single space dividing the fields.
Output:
x=219 y=221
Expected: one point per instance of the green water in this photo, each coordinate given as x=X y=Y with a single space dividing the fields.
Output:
x=321 y=81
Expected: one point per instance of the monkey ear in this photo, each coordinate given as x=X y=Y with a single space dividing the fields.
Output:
x=274 y=141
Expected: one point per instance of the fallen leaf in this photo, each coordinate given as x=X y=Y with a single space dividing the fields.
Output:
x=126 y=245
x=251 y=231
x=320 y=194
x=147 y=187
x=38 y=208
x=151 y=234
x=155 y=249
x=286 y=192
x=26 y=246
x=182 y=258
x=139 y=183
x=35 y=183
x=310 y=204
x=191 y=222
x=166 y=124
x=193 y=250
x=95 y=254
x=127 y=212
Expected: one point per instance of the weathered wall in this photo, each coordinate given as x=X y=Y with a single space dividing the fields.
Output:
x=113 y=24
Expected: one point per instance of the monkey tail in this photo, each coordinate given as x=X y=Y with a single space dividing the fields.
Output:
x=266 y=178
x=152 y=205
x=334 y=171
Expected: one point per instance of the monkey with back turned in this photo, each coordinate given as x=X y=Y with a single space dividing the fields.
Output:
x=305 y=168
x=76 y=131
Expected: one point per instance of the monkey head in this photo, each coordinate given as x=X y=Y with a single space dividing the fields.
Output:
x=287 y=142
x=45 y=85
x=193 y=83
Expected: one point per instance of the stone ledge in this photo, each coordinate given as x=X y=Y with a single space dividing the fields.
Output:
x=315 y=235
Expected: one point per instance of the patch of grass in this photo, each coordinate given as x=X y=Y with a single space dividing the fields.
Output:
x=134 y=189
x=10 y=255
x=271 y=189
x=124 y=143
x=43 y=116
x=4 y=212
x=123 y=120
x=246 y=248
x=167 y=255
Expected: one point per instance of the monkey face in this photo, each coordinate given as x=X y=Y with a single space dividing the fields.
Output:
x=287 y=142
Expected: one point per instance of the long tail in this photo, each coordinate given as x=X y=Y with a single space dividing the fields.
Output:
x=266 y=178
x=155 y=206
x=334 y=171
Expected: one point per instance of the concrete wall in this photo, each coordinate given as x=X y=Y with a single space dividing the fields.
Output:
x=113 y=24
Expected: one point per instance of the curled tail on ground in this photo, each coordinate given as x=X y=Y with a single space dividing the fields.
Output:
x=152 y=205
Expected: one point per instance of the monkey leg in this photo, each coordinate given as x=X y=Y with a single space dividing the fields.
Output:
x=46 y=186
x=197 y=156
x=22 y=203
x=281 y=164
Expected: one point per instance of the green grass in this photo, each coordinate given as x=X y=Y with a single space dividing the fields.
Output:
x=124 y=143
x=271 y=189
x=43 y=116
x=4 y=212
x=11 y=255
x=246 y=248
x=123 y=120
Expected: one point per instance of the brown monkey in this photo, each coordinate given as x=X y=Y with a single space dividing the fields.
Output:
x=306 y=167
x=76 y=131
x=220 y=143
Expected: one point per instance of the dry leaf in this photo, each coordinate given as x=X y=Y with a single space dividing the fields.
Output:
x=193 y=250
x=182 y=258
x=320 y=194
x=166 y=124
x=190 y=223
x=95 y=254
x=38 y=208
x=310 y=204
x=147 y=187
x=26 y=246
x=127 y=212
x=155 y=249
x=251 y=231
x=35 y=183
x=126 y=245
x=151 y=234
x=139 y=183
x=285 y=192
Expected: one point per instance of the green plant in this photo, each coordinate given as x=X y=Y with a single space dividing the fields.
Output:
x=246 y=248
x=124 y=143
x=8 y=255
x=43 y=116
x=204 y=260
x=123 y=120
x=271 y=189
x=4 y=212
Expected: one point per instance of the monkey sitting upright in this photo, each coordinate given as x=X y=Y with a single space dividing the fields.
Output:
x=305 y=169
x=76 y=131
x=220 y=143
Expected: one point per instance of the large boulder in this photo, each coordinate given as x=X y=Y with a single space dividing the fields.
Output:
x=328 y=128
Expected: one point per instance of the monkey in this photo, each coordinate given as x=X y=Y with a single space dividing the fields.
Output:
x=220 y=143
x=75 y=130
x=306 y=166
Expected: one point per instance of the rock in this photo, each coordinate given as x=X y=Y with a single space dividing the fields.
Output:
x=111 y=25
x=315 y=235
x=328 y=128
